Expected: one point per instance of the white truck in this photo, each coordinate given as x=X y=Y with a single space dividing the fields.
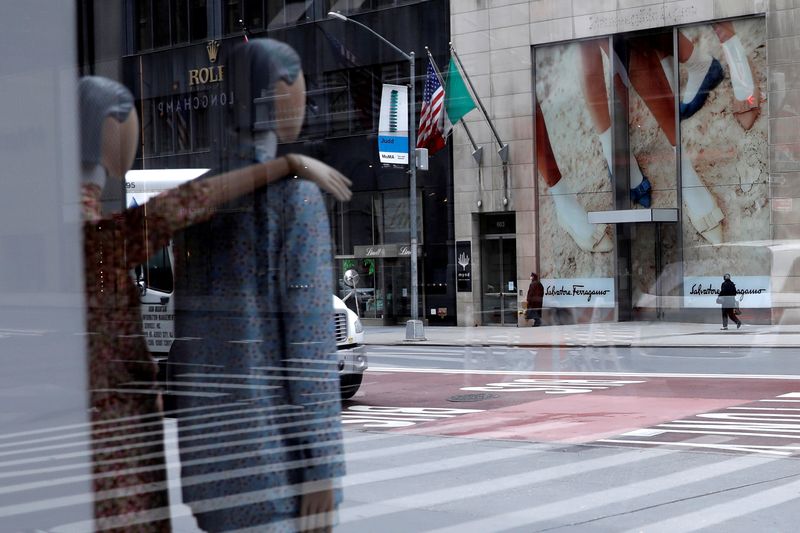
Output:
x=155 y=280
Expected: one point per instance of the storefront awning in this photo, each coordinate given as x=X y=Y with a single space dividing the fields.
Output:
x=630 y=216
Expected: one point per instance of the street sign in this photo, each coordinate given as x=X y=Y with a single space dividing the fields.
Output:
x=393 y=125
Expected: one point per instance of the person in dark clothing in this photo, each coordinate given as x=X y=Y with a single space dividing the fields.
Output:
x=727 y=297
x=534 y=300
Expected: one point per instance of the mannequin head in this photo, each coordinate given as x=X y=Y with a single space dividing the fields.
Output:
x=119 y=144
x=109 y=125
x=276 y=73
x=290 y=106
x=270 y=89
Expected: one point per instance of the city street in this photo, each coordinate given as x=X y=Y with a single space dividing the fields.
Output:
x=592 y=439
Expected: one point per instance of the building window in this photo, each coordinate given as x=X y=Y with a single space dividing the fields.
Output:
x=144 y=29
x=359 y=6
x=161 y=23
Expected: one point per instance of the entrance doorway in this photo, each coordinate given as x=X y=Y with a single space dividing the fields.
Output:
x=656 y=272
x=499 y=270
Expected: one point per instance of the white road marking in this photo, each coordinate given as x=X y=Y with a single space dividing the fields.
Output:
x=411 y=370
x=724 y=512
x=609 y=496
x=494 y=485
x=770 y=450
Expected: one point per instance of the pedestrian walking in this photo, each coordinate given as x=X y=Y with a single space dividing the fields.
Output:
x=727 y=298
x=534 y=300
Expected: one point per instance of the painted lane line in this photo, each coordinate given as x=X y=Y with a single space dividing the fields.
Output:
x=724 y=512
x=410 y=357
x=387 y=474
x=351 y=457
x=609 y=496
x=770 y=450
x=553 y=386
x=494 y=485
x=766 y=408
x=412 y=370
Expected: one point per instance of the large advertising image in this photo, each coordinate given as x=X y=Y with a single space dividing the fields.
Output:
x=724 y=147
x=573 y=154
x=676 y=106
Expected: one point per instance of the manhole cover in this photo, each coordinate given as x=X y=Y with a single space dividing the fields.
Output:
x=477 y=397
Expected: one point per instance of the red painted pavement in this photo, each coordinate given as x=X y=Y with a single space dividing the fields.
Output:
x=574 y=419
x=534 y=415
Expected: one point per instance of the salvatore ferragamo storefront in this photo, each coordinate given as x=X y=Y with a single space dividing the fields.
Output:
x=646 y=163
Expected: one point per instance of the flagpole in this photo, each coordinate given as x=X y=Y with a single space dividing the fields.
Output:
x=477 y=151
x=503 y=147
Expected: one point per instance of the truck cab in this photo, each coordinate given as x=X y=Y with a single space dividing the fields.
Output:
x=350 y=346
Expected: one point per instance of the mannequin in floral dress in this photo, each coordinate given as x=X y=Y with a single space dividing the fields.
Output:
x=127 y=441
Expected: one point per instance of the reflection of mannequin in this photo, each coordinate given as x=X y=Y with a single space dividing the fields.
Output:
x=254 y=328
x=118 y=356
x=129 y=475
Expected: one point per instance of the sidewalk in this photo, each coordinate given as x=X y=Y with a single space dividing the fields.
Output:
x=622 y=334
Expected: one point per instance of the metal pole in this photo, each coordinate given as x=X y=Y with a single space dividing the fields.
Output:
x=412 y=199
x=411 y=327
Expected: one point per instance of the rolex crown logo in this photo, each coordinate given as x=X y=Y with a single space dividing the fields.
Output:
x=213 y=48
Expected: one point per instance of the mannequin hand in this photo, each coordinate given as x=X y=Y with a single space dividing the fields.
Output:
x=324 y=176
x=316 y=511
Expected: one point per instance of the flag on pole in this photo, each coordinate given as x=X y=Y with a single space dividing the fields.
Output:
x=434 y=125
x=458 y=101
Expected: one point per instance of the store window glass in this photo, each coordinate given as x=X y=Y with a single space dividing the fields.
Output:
x=144 y=26
x=646 y=158
x=180 y=21
x=575 y=172
x=724 y=167
x=198 y=20
x=288 y=12
x=233 y=14
x=254 y=13
x=161 y=23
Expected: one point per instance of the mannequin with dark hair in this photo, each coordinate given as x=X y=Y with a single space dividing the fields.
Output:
x=127 y=443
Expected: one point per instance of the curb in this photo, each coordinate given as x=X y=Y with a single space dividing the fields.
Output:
x=573 y=345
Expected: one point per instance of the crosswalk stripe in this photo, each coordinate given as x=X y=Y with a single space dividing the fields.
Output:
x=724 y=512
x=585 y=502
x=494 y=485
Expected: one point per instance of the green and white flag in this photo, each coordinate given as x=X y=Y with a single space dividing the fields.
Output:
x=457 y=100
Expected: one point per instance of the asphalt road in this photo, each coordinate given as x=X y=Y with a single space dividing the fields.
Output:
x=450 y=439
x=460 y=440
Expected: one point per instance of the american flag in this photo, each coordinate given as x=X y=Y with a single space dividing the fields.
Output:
x=433 y=123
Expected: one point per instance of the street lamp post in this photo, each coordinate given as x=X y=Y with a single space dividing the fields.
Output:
x=414 y=329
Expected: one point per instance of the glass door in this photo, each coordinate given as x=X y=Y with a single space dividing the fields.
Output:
x=499 y=280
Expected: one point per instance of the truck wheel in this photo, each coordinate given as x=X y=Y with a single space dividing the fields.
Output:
x=349 y=384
